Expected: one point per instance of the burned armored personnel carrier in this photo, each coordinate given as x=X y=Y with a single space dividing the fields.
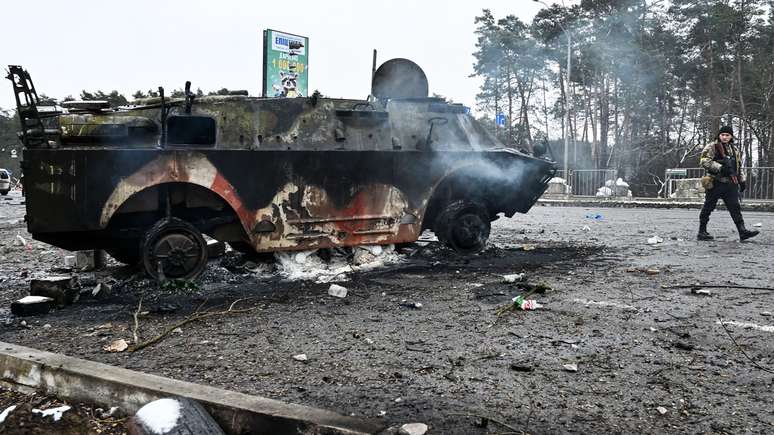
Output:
x=145 y=182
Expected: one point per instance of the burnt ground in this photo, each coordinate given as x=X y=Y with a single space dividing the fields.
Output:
x=649 y=359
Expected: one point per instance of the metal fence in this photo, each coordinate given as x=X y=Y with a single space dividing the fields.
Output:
x=588 y=182
x=760 y=182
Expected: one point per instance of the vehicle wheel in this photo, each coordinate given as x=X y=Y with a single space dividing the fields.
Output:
x=174 y=247
x=463 y=226
x=126 y=251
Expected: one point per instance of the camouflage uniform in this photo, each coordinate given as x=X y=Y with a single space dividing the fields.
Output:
x=722 y=186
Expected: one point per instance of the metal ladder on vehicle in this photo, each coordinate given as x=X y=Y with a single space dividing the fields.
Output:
x=33 y=133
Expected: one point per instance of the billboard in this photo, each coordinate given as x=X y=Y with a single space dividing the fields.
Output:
x=285 y=64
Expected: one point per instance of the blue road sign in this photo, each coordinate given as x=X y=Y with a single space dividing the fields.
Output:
x=500 y=119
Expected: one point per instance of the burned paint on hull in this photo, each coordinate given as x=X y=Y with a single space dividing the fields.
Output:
x=311 y=199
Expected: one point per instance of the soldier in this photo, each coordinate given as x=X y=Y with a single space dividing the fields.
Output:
x=724 y=179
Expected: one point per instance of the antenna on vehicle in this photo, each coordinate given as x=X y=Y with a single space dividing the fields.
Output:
x=189 y=97
x=163 y=141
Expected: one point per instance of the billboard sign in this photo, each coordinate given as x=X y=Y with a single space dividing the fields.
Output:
x=285 y=64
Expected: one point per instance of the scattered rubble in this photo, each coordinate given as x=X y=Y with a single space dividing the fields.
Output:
x=63 y=289
x=413 y=429
x=570 y=367
x=513 y=277
x=337 y=291
x=32 y=306
x=655 y=240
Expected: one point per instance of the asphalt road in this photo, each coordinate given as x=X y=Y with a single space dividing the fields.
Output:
x=649 y=358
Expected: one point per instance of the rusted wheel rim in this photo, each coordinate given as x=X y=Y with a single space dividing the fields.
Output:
x=174 y=249
x=468 y=232
x=177 y=253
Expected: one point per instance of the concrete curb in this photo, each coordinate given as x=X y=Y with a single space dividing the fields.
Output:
x=24 y=369
x=637 y=203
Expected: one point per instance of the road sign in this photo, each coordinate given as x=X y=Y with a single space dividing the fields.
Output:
x=500 y=120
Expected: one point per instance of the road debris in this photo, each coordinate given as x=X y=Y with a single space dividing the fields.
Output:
x=758 y=224
x=661 y=410
x=69 y=261
x=337 y=291
x=570 y=367
x=32 y=306
x=119 y=345
x=89 y=260
x=513 y=277
x=19 y=241
x=701 y=292
x=655 y=240
x=301 y=357
x=519 y=303
x=62 y=288
x=413 y=429
x=410 y=304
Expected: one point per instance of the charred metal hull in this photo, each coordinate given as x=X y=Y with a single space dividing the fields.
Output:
x=279 y=199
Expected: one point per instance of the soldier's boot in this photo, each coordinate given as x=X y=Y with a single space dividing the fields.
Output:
x=703 y=234
x=744 y=233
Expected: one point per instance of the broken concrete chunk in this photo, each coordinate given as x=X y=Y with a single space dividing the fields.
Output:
x=19 y=241
x=661 y=410
x=32 y=306
x=413 y=429
x=570 y=367
x=88 y=260
x=63 y=289
x=69 y=261
x=215 y=248
x=301 y=357
x=102 y=290
x=337 y=291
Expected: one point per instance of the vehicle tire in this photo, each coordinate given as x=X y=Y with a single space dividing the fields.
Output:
x=175 y=247
x=4 y=192
x=126 y=251
x=192 y=419
x=463 y=226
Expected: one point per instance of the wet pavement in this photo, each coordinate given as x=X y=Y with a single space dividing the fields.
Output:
x=649 y=358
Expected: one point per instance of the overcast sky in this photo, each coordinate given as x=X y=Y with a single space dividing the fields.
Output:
x=70 y=45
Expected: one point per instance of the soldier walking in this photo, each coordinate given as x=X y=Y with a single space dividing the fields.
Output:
x=724 y=180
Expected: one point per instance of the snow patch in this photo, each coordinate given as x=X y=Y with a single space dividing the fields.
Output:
x=604 y=304
x=56 y=412
x=34 y=299
x=5 y=413
x=765 y=328
x=159 y=416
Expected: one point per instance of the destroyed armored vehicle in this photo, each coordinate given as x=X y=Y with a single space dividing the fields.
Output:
x=145 y=182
